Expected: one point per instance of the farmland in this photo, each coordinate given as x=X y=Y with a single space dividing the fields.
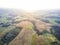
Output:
x=28 y=28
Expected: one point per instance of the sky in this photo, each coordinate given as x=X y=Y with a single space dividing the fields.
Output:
x=30 y=5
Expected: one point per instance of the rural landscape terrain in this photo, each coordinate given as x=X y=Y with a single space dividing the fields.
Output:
x=18 y=27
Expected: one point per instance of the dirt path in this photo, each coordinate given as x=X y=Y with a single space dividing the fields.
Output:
x=23 y=38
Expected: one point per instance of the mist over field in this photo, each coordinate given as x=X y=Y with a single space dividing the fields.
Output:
x=20 y=27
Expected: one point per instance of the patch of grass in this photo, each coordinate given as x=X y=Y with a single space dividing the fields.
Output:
x=51 y=38
x=3 y=20
x=4 y=30
x=33 y=39
x=29 y=26
x=46 y=40
x=52 y=22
